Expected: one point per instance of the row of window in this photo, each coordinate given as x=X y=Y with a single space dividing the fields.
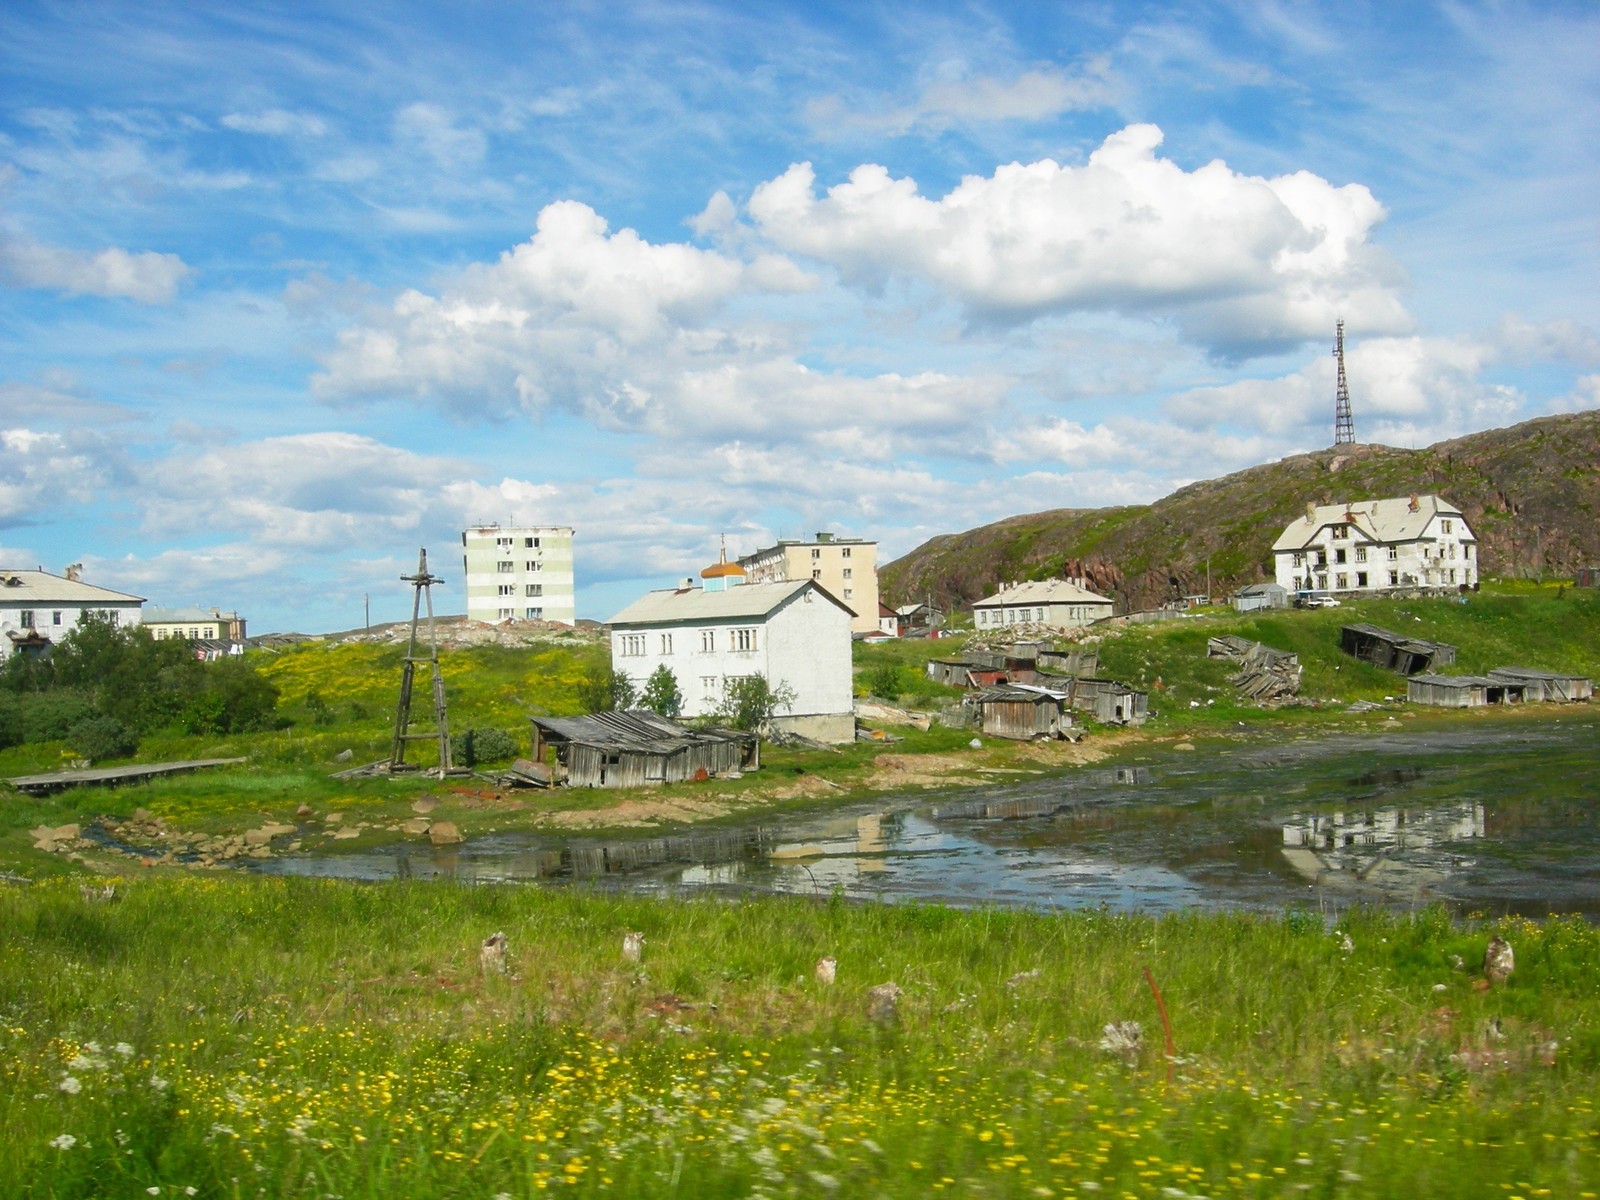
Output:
x=505 y=543
x=528 y=589
x=1341 y=580
x=506 y=566
x=27 y=618
x=740 y=640
x=530 y=614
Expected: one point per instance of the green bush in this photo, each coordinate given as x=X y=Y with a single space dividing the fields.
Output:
x=473 y=746
x=661 y=693
x=98 y=738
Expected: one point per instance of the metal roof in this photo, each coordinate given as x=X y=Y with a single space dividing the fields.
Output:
x=1044 y=591
x=1382 y=521
x=41 y=587
x=190 y=616
x=747 y=601
x=635 y=730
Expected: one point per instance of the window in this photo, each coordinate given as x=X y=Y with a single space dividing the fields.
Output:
x=1341 y=581
x=1466 y=550
x=533 y=589
x=1361 y=579
x=194 y=633
x=847 y=572
x=708 y=641
x=1394 y=578
x=816 y=573
x=666 y=643
x=508 y=589
x=55 y=617
x=1394 y=553
x=1340 y=532
x=845 y=553
x=25 y=618
x=505 y=567
x=744 y=639
x=1338 y=555
x=535 y=614
x=533 y=564
x=1452 y=574
x=1299 y=558
x=848 y=592
x=708 y=689
x=530 y=543
x=507 y=614
x=1445 y=526
x=503 y=543
x=1361 y=554
x=630 y=645
x=816 y=554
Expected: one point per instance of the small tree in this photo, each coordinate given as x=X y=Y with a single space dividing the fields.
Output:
x=661 y=693
x=607 y=690
x=749 y=702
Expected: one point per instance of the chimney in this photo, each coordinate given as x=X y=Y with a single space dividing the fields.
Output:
x=1416 y=503
x=1311 y=512
x=74 y=572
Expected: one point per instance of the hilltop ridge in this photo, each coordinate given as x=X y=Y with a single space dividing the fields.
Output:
x=1531 y=493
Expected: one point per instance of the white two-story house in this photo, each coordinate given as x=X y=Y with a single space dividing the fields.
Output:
x=38 y=609
x=1417 y=543
x=793 y=633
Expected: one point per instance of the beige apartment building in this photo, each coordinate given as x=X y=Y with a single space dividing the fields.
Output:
x=846 y=568
x=519 y=573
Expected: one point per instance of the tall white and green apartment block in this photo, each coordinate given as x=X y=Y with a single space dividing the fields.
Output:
x=521 y=573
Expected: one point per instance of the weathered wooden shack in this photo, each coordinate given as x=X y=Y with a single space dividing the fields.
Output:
x=952 y=672
x=1461 y=691
x=1552 y=687
x=1075 y=664
x=1111 y=702
x=632 y=749
x=1394 y=651
x=1023 y=712
x=1256 y=596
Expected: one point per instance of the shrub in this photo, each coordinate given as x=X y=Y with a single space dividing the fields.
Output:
x=98 y=738
x=885 y=681
x=606 y=690
x=473 y=746
x=661 y=692
x=749 y=702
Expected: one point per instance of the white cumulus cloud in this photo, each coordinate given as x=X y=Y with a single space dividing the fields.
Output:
x=134 y=275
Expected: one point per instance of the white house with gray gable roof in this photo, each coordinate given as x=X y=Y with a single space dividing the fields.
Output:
x=791 y=632
x=1416 y=543
x=38 y=608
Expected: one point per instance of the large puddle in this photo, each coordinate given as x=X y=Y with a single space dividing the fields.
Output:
x=1487 y=817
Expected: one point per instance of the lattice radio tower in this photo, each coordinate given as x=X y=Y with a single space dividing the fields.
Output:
x=1344 y=425
x=422 y=581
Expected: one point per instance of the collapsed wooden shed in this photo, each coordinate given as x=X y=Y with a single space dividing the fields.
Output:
x=1462 y=691
x=1112 y=703
x=1394 y=651
x=633 y=749
x=1077 y=664
x=1023 y=712
x=1553 y=687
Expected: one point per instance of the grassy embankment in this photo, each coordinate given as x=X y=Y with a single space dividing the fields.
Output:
x=224 y=1037
x=340 y=697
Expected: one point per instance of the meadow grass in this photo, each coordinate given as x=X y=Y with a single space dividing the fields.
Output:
x=219 y=1036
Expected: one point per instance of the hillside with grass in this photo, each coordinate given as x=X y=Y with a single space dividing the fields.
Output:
x=1531 y=493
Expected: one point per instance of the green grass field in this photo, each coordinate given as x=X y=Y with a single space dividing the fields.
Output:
x=223 y=1037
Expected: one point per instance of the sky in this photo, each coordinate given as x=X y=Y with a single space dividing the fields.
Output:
x=290 y=292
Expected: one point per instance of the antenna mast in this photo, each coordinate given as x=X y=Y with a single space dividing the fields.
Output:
x=1344 y=425
x=422 y=581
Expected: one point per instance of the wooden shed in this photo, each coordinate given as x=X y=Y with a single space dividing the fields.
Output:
x=1257 y=596
x=1078 y=664
x=1023 y=712
x=632 y=749
x=1111 y=702
x=1553 y=687
x=1462 y=691
x=1394 y=651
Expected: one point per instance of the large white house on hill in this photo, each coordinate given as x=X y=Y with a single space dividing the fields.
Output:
x=1059 y=603
x=793 y=633
x=39 y=609
x=1416 y=543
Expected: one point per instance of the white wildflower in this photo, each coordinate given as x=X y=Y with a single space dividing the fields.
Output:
x=158 y=1083
x=64 y=1142
x=153 y=1191
x=123 y=1049
x=70 y=1085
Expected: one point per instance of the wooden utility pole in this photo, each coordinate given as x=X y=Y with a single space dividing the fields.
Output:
x=422 y=582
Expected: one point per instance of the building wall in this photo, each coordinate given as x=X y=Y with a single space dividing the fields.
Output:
x=1444 y=557
x=1057 y=615
x=503 y=564
x=827 y=561
x=55 y=619
x=805 y=644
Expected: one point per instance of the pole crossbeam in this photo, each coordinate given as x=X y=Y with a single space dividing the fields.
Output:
x=422 y=583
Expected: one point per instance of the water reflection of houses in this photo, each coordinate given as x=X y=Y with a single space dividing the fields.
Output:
x=1391 y=849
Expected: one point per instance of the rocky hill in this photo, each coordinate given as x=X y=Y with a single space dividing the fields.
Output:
x=1531 y=493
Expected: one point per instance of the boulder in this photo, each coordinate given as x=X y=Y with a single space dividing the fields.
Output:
x=444 y=833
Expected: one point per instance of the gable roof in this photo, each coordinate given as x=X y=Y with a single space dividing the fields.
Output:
x=189 y=616
x=748 y=601
x=1044 y=591
x=41 y=587
x=1389 y=520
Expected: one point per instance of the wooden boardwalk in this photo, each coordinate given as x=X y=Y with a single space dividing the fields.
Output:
x=38 y=785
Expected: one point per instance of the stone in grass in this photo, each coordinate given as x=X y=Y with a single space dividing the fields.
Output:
x=827 y=970
x=444 y=833
x=492 y=954
x=417 y=826
x=345 y=833
x=424 y=805
x=883 y=1003
x=1122 y=1037
x=633 y=946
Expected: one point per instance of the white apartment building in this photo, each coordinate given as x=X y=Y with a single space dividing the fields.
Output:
x=791 y=632
x=38 y=608
x=846 y=567
x=1058 y=603
x=1420 y=543
x=521 y=573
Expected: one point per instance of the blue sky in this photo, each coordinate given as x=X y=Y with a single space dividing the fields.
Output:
x=285 y=295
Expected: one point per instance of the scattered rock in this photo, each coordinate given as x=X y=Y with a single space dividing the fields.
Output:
x=492 y=954
x=444 y=833
x=345 y=755
x=1498 y=960
x=1122 y=1037
x=333 y=819
x=345 y=833
x=424 y=805
x=417 y=826
x=632 y=946
x=1184 y=746
x=827 y=970
x=883 y=1003
x=1022 y=977
x=303 y=811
